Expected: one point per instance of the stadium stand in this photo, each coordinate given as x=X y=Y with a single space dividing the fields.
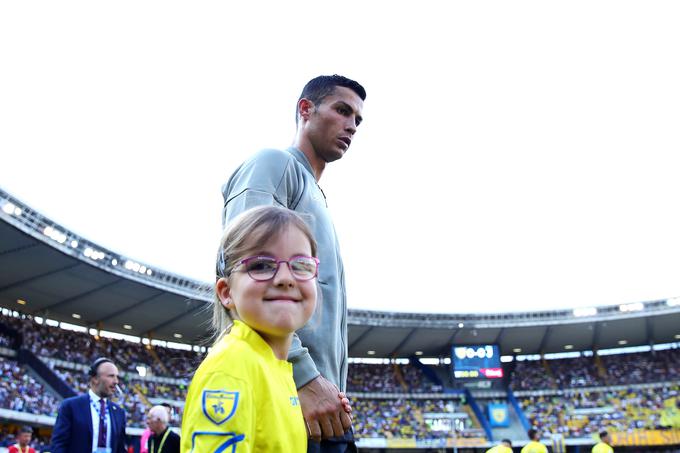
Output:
x=402 y=403
x=388 y=378
x=575 y=397
x=583 y=412
x=20 y=392
x=596 y=370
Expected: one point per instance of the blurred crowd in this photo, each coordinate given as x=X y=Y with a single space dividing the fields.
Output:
x=389 y=378
x=80 y=347
x=19 y=391
x=411 y=418
x=618 y=369
x=583 y=413
x=575 y=411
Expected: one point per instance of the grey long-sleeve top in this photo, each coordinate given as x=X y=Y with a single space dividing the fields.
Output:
x=285 y=178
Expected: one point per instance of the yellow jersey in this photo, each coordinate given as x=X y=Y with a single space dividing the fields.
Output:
x=534 y=447
x=242 y=398
x=601 y=447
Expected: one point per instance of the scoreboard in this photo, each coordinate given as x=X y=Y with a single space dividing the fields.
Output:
x=476 y=362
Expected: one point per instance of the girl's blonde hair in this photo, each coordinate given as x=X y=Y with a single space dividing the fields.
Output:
x=244 y=236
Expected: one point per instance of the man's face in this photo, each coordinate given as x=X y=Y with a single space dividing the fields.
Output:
x=104 y=383
x=154 y=424
x=24 y=439
x=332 y=124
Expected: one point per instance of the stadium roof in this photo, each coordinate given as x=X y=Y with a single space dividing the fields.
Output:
x=51 y=272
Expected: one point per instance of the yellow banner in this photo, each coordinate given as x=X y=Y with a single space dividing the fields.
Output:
x=645 y=438
x=466 y=442
x=400 y=442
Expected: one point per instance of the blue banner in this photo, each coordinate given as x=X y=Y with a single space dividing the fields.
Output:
x=498 y=415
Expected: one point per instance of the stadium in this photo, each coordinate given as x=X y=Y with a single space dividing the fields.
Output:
x=417 y=382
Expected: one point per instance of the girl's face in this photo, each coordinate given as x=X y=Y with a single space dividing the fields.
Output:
x=278 y=307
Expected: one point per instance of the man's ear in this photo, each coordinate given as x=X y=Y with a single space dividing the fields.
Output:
x=305 y=108
x=223 y=291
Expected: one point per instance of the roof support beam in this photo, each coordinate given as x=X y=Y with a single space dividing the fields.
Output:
x=403 y=342
x=81 y=295
x=18 y=249
x=131 y=307
x=499 y=338
x=360 y=337
x=446 y=349
x=199 y=306
x=597 y=332
x=544 y=340
x=38 y=277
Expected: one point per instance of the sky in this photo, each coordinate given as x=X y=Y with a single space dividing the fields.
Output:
x=513 y=155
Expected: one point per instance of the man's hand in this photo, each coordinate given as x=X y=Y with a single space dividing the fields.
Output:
x=323 y=409
x=345 y=405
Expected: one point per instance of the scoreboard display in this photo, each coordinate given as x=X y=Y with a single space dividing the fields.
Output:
x=476 y=362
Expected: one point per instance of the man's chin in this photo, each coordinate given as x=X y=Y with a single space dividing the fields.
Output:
x=332 y=157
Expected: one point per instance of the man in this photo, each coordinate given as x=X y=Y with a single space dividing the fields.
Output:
x=92 y=422
x=604 y=445
x=534 y=445
x=504 y=447
x=328 y=114
x=162 y=439
x=23 y=439
x=147 y=431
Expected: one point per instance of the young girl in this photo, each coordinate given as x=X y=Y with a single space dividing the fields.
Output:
x=243 y=397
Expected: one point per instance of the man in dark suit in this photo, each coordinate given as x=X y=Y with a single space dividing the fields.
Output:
x=92 y=422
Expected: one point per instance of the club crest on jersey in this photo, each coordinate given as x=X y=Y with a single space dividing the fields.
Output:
x=219 y=405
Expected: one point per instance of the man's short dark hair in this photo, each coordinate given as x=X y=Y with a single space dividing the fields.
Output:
x=92 y=371
x=507 y=441
x=532 y=433
x=320 y=87
x=603 y=434
x=25 y=429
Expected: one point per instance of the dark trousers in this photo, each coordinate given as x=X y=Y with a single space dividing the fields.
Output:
x=344 y=444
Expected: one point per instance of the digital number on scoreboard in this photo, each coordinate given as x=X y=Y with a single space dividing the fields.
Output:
x=476 y=362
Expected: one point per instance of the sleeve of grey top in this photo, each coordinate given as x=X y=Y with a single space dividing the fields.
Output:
x=304 y=368
x=269 y=178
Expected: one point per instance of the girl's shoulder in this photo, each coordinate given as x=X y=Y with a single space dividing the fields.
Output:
x=232 y=355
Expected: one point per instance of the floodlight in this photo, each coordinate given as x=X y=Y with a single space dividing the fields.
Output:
x=9 y=208
x=581 y=312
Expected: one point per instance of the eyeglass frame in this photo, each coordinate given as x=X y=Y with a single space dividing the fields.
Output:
x=278 y=266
